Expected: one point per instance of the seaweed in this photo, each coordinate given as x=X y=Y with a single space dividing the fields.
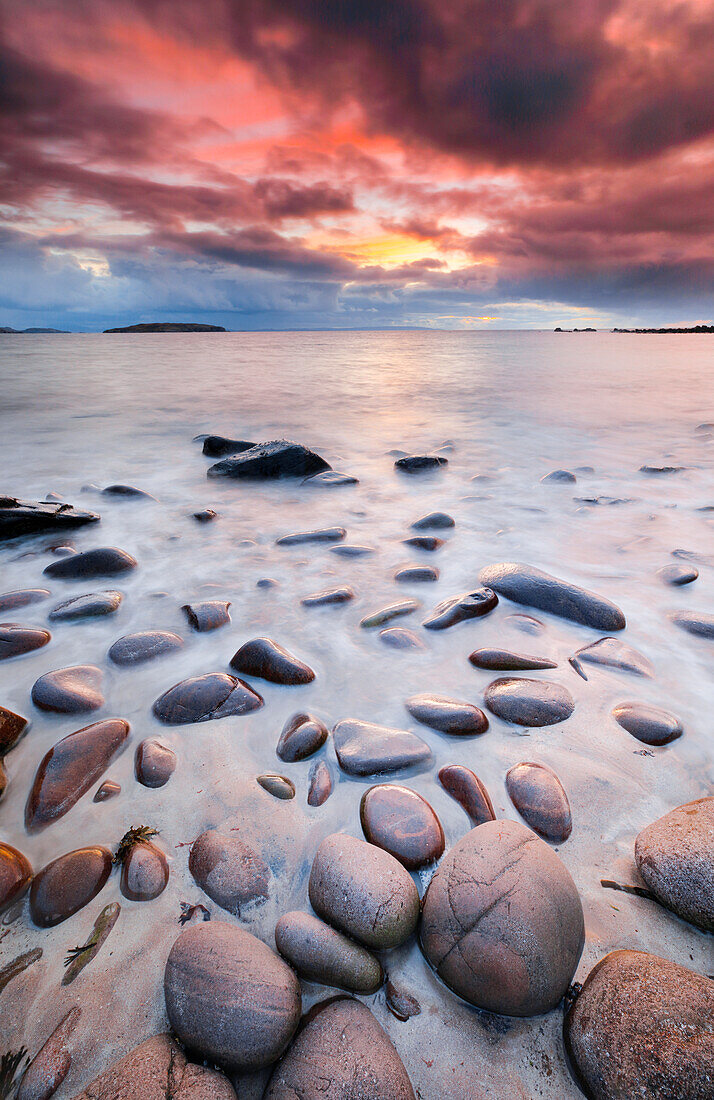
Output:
x=78 y=957
x=189 y=911
x=638 y=891
x=138 y=834
x=10 y=1064
x=18 y=965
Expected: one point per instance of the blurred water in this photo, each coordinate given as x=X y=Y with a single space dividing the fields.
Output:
x=102 y=409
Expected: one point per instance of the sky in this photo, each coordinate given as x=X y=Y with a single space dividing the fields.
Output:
x=309 y=164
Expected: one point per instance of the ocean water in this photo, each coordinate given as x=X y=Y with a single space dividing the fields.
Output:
x=507 y=408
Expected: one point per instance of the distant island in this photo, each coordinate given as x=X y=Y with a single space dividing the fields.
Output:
x=26 y=331
x=168 y=326
x=575 y=330
x=694 y=328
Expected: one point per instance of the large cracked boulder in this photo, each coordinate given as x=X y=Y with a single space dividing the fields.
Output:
x=279 y=458
x=157 y=1070
x=502 y=923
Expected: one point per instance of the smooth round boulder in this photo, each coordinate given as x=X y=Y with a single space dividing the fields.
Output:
x=678 y=575
x=144 y=872
x=321 y=954
x=67 y=884
x=364 y=891
x=105 y=561
x=466 y=788
x=699 y=623
x=447 y=715
x=229 y=997
x=154 y=763
x=15 y=875
x=675 y=856
x=302 y=735
x=232 y=873
x=264 y=658
x=74 y=690
x=205 y=698
x=540 y=799
x=91 y=605
x=16 y=639
x=10 y=601
x=146 y=645
x=365 y=748
x=527 y=585
x=416 y=574
x=434 y=521
x=502 y=923
x=649 y=724
x=529 y=702
x=403 y=823
x=642 y=1027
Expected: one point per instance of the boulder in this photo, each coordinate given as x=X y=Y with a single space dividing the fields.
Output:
x=154 y=763
x=467 y=789
x=529 y=702
x=105 y=561
x=146 y=645
x=232 y=873
x=208 y=615
x=28 y=517
x=89 y=606
x=216 y=446
x=144 y=872
x=699 y=623
x=74 y=690
x=203 y=698
x=419 y=464
x=319 y=784
x=10 y=601
x=51 y=1064
x=675 y=856
x=434 y=521
x=264 y=658
x=302 y=735
x=527 y=585
x=15 y=875
x=540 y=799
x=16 y=639
x=67 y=884
x=612 y=653
x=447 y=715
x=649 y=724
x=157 y=1070
x=502 y=660
x=321 y=954
x=364 y=748
x=325 y=534
x=403 y=823
x=280 y=458
x=12 y=728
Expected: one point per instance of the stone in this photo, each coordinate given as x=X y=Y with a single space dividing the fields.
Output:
x=231 y=872
x=10 y=601
x=525 y=623
x=447 y=715
x=126 y=492
x=661 y=469
x=206 y=515
x=331 y=478
x=209 y=615
x=527 y=585
x=146 y=645
x=502 y=923
x=216 y=446
x=229 y=997
x=340 y=1052
x=612 y=653
x=540 y=799
x=416 y=574
x=3 y=779
x=400 y=1003
x=329 y=596
x=266 y=582
x=365 y=748
x=351 y=550
x=424 y=542
x=70 y=768
x=73 y=690
x=302 y=735
x=204 y=698
x=399 y=638
x=51 y=1064
x=68 y=883
x=15 y=875
x=434 y=521
x=157 y=1070
x=699 y=623
x=28 y=517
x=319 y=784
x=502 y=660
x=89 y=606
x=154 y=763
x=642 y=1028
x=108 y=789
x=327 y=534
x=16 y=639
x=556 y=476
x=467 y=789
x=469 y=605
x=649 y=724
x=12 y=728
x=529 y=702
x=387 y=614
x=105 y=561
x=280 y=458
x=678 y=575
x=266 y=659
x=675 y=856
x=418 y=464
x=277 y=785
x=403 y=823
x=144 y=872
x=321 y=954
x=363 y=891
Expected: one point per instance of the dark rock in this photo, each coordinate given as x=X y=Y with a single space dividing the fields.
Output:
x=467 y=789
x=67 y=884
x=88 y=606
x=612 y=653
x=327 y=534
x=399 y=638
x=700 y=623
x=134 y=649
x=416 y=574
x=675 y=856
x=302 y=735
x=216 y=446
x=393 y=611
x=540 y=799
x=677 y=575
x=502 y=922
x=154 y=763
x=329 y=596
x=401 y=1004
x=10 y=601
x=266 y=582
x=203 y=698
x=51 y=1064
x=319 y=784
x=158 y=1070
x=502 y=660
x=279 y=458
x=642 y=1028
x=417 y=464
x=109 y=789
x=12 y=728
x=424 y=542
x=331 y=478
x=447 y=715
x=558 y=476
x=469 y=605
x=266 y=659
x=364 y=748
x=649 y=724
x=15 y=875
x=207 y=515
x=73 y=690
x=529 y=702
x=526 y=585
x=209 y=615
x=70 y=768
x=340 y=1052
x=144 y=872
x=363 y=891
x=434 y=521
x=321 y=954
x=105 y=561
x=277 y=785
x=126 y=491
x=231 y=872
x=403 y=823
x=525 y=623
x=229 y=997
x=351 y=550
x=27 y=517
x=661 y=469
x=16 y=639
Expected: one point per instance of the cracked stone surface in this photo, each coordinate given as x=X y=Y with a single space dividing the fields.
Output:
x=157 y=1070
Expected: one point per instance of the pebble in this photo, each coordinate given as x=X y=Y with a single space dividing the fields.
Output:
x=417 y=464
x=699 y=623
x=12 y=728
x=393 y=611
x=231 y=872
x=10 y=601
x=416 y=574
x=327 y=534
x=216 y=446
x=558 y=476
x=529 y=702
x=331 y=478
x=401 y=1004
x=267 y=461
x=502 y=660
x=612 y=653
x=649 y=724
x=146 y=645
x=434 y=521
x=266 y=659
x=157 y=1070
x=68 y=883
x=352 y=550
x=302 y=735
x=144 y=872
x=365 y=748
x=363 y=891
x=70 y=768
x=154 y=763
x=527 y=585
x=105 y=561
x=209 y=615
x=229 y=997
x=126 y=491
x=403 y=823
x=329 y=596
x=469 y=605
x=467 y=789
x=400 y=638
x=207 y=515
x=108 y=789
x=540 y=799
x=661 y=469
x=203 y=698
x=15 y=875
x=321 y=954
x=277 y=785
x=447 y=715
x=677 y=575
x=675 y=856
x=266 y=582
x=319 y=784
x=73 y=690
x=424 y=542
x=51 y=1064
x=91 y=605
x=16 y=639
x=525 y=623
x=502 y=923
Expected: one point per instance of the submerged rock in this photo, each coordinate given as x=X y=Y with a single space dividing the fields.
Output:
x=144 y=872
x=67 y=884
x=399 y=638
x=387 y=614
x=216 y=446
x=266 y=659
x=329 y=596
x=447 y=715
x=28 y=517
x=108 y=789
x=678 y=575
x=467 y=789
x=10 y=601
x=280 y=458
x=73 y=690
x=229 y=997
x=331 y=478
x=277 y=785
x=12 y=728
x=675 y=856
x=363 y=891
x=365 y=748
x=154 y=763
x=51 y=1064
x=540 y=799
x=502 y=922
x=90 y=605
x=527 y=585
x=126 y=491
x=529 y=702
x=417 y=464
x=434 y=521
x=403 y=823
x=469 y=605
x=351 y=550
x=204 y=698
x=134 y=649
x=326 y=534
x=699 y=623
x=15 y=875
x=416 y=574
x=302 y=735
x=559 y=476
x=206 y=515
x=650 y=724
x=105 y=561
x=319 y=784
x=502 y=660
x=424 y=542
x=232 y=873
x=612 y=653
x=16 y=639
x=209 y=615
x=642 y=1028
x=321 y=954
